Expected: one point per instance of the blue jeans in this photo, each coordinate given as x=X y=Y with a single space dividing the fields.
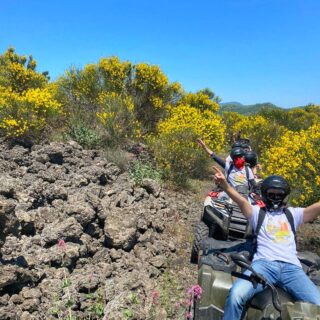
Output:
x=285 y=275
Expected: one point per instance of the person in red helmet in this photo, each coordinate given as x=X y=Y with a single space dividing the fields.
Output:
x=241 y=143
x=238 y=174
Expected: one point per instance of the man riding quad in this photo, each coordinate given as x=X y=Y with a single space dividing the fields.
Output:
x=238 y=174
x=250 y=156
x=220 y=218
x=240 y=143
x=275 y=257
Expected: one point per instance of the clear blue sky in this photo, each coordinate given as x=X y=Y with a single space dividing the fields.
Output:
x=244 y=50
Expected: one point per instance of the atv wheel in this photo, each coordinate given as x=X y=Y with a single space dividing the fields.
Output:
x=201 y=232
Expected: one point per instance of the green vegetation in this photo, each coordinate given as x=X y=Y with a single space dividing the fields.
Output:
x=140 y=170
x=113 y=104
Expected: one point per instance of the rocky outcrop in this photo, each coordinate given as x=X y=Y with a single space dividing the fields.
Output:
x=77 y=237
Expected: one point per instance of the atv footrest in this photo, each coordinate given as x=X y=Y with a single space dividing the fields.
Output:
x=209 y=313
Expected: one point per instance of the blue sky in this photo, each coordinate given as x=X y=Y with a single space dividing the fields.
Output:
x=248 y=51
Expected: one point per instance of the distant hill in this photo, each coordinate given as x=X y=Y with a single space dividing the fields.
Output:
x=245 y=109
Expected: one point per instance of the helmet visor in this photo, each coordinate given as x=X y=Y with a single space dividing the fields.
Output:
x=276 y=195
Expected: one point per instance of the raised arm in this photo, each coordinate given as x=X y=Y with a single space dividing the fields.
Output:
x=243 y=204
x=311 y=213
x=217 y=159
x=204 y=146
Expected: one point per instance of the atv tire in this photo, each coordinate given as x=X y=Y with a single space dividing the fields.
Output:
x=201 y=232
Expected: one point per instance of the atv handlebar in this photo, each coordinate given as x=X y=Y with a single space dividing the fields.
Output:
x=255 y=278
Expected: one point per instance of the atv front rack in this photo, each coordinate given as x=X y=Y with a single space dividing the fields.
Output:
x=228 y=216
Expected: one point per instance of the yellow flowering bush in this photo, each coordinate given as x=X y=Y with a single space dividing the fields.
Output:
x=151 y=77
x=295 y=119
x=261 y=132
x=146 y=85
x=79 y=89
x=27 y=101
x=302 y=118
x=114 y=73
x=26 y=113
x=152 y=94
x=206 y=124
x=91 y=97
x=175 y=149
x=117 y=118
x=230 y=119
x=19 y=72
x=295 y=156
x=199 y=100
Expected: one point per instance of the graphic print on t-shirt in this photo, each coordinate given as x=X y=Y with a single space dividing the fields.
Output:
x=279 y=230
x=239 y=178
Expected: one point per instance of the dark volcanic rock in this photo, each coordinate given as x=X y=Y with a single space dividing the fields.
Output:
x=77 y=236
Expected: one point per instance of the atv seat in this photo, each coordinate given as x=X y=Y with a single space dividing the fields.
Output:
x=212 y=246
x=264 y=298
x=216 y=253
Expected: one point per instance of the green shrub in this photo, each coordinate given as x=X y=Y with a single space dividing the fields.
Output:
x=140 y=170
x=83 y=134
x=179 y=157
x=116 y=119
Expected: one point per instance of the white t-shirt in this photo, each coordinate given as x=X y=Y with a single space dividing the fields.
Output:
x=275 y=239
x=238 y=177
x=228 y=160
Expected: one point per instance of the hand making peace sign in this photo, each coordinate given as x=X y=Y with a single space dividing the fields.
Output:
x=220 y=178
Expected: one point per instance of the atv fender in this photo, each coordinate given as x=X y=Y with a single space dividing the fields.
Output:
x=215 y=288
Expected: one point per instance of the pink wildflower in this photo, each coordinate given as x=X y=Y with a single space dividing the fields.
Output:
x=155 y=296
x=62 y=244
x=195 y=291
x=189 y=315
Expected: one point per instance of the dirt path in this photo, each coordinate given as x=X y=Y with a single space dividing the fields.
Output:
x=181 y=274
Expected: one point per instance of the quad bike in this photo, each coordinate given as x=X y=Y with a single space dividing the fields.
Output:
x=219 y=264
x=222 y=220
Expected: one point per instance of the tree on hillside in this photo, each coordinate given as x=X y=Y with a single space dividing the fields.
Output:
x=212 y=96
